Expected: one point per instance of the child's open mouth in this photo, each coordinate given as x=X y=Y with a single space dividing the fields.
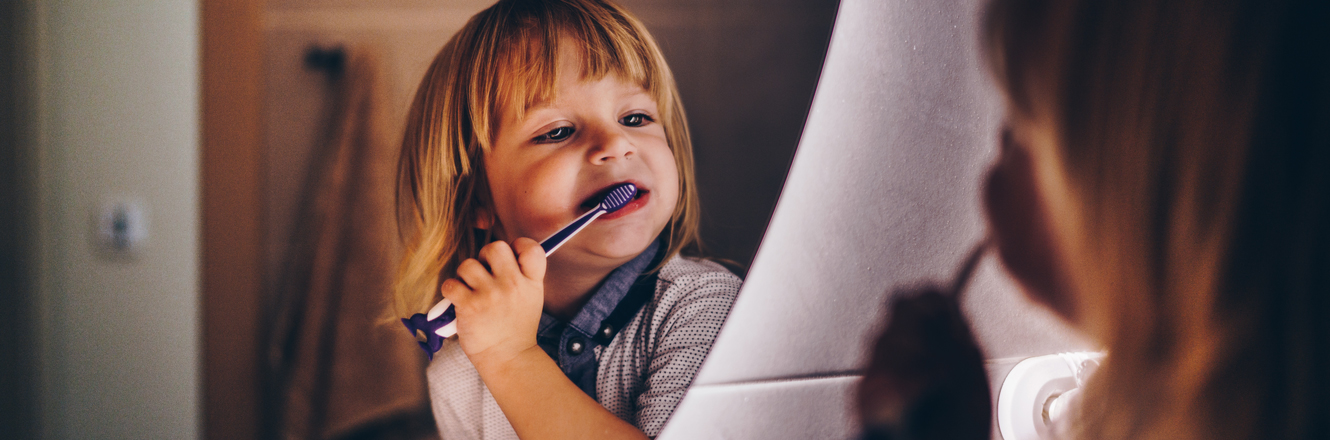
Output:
x=639 y=200
x=596 y=198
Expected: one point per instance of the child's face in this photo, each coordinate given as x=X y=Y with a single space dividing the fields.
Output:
x=551 y=165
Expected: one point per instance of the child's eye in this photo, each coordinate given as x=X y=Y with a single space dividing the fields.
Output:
x=636 y=120
x=554 y=135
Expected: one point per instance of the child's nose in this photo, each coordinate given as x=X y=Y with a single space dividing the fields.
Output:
x=611 y=145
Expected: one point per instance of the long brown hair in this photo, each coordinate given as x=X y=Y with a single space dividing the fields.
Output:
x=1194 y=138
x=504 y=55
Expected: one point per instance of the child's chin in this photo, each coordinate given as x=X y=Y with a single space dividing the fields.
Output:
x=620 y=248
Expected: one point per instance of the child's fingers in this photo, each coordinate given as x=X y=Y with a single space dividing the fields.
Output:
x=455 y=291
x=501 y=260
x=531 y=258
x=474 y=274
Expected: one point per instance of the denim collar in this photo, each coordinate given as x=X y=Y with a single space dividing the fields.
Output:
x=602 y=303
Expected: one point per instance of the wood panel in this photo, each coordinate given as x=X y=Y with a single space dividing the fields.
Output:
x=232 y=191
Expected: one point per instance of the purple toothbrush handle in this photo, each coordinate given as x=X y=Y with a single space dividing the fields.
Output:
x=420 y=323
x=553 y=242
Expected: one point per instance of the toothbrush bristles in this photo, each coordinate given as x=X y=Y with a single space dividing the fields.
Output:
x=618 y=197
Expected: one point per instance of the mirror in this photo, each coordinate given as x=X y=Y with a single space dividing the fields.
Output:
x=746 y=71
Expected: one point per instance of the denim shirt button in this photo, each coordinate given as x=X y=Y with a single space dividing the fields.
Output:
x=576 y=345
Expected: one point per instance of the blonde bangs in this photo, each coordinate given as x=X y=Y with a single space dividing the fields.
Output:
x=521 y=70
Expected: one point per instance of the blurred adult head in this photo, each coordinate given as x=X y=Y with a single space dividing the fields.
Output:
x=1165 y=186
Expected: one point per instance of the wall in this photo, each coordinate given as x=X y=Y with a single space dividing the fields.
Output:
x=118 y=121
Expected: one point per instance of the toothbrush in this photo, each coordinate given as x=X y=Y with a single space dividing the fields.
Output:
x=432 y=328
x=616 y=199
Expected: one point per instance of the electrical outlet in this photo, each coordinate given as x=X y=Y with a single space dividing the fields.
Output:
x=121 y=226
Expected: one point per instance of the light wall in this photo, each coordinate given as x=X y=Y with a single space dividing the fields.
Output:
x=118 y=114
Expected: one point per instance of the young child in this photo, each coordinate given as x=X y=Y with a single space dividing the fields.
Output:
x=523 y=121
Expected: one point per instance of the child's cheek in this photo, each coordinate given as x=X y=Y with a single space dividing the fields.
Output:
x=546 y=202
x=667 y=173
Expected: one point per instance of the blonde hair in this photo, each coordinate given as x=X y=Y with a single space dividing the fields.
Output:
x=1193 y=138
x=504 y=55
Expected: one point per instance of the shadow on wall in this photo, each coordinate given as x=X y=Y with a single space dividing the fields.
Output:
x=746 y=71
x=18 y=369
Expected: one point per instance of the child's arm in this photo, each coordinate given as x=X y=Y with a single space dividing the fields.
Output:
x=498 y=310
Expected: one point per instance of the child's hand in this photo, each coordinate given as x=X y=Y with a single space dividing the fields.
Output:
x=498 y=309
